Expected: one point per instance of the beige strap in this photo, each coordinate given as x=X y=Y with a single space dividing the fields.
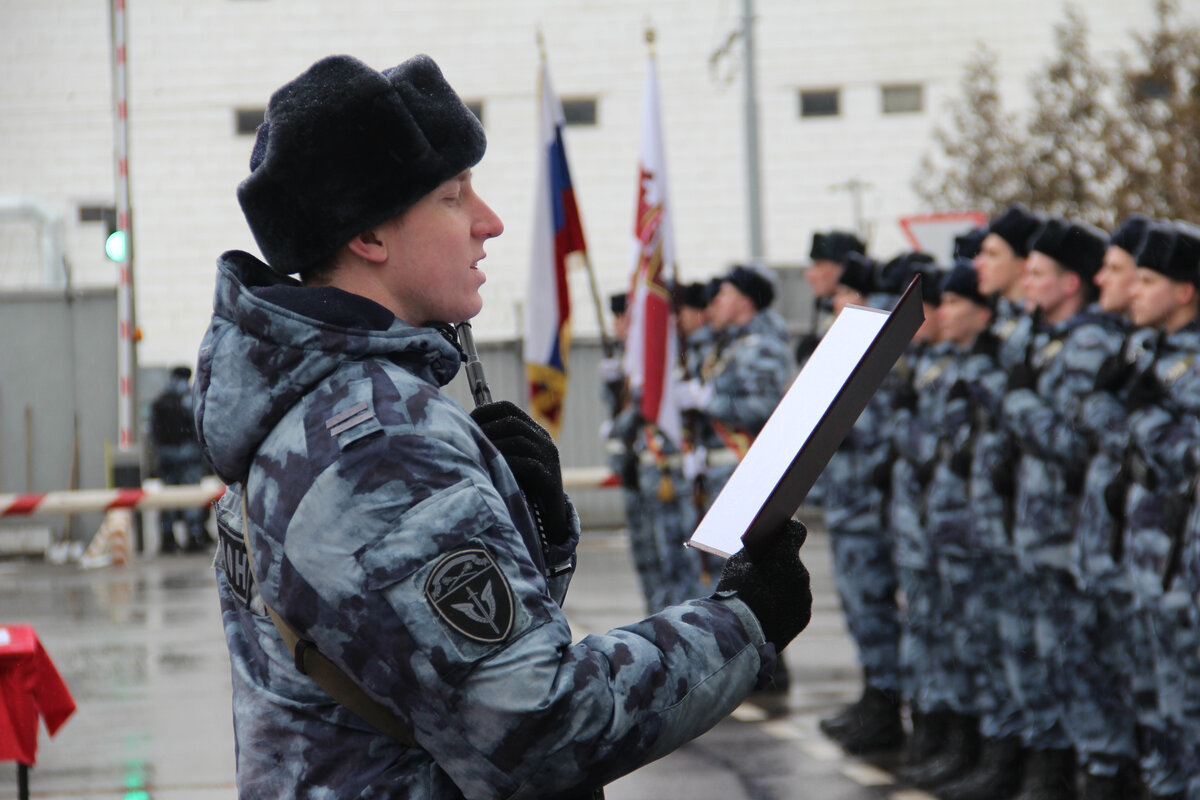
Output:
x=329 y=676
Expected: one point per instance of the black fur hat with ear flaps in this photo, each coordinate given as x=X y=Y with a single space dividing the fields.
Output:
x=344 y=148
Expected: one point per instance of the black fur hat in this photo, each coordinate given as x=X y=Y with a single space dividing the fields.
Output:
x=1170 y=250
x=617 y=303
x=344 y=148
x=754 y=282
x=894 y=276
x=859 y=273
x=835 y=246
x=1015 y=226
x=1129 y=233
x=694 y=295
x=962 y=280
x=1074 y=245
x=966 y=245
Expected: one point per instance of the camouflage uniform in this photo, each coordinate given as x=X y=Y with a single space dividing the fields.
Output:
x=747 y=369
x=863 y=568
x=1000 y=611
x=670 y=571
x=1100 y=714
x=1161 y=433
x=370 y=491
x=913 y=452
x=1065 y=359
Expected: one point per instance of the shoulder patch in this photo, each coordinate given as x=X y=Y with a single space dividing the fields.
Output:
x=472 y=595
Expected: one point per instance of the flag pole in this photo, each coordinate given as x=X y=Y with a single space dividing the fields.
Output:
x=606 y=343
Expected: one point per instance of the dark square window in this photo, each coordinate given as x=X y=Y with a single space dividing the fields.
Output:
x=907 y=99
x=820 y=103
x=247 y=120
x=580 y=111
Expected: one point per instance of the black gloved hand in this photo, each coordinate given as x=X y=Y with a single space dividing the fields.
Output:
x=1023 y=376
x=1115 y=371
x=1145 y=390
x=805 y=347
x=773 y=581
x=986 y=344
x=881 y=476
x=533 y=458
x=905 y=396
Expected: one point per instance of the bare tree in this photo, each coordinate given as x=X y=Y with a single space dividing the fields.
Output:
x=1075 y=122
x=1161 y=96
x=979 y=166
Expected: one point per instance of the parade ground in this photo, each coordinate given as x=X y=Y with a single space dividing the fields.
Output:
x=141 y=649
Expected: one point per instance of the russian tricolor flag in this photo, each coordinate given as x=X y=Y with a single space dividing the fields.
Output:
x=557 y=233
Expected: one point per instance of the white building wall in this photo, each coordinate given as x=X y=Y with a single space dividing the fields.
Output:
x=192 y=63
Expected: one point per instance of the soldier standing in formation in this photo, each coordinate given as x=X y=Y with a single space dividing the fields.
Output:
x=1059 y=512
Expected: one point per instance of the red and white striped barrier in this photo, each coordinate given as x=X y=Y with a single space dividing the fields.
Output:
x=90 y=500
x=151 y=497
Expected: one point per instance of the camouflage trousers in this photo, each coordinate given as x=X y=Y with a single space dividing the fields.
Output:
x=1024 y=669
x=922 y=636
x=668 y=572
x=865 y=577
x=1095 y=657
x=1174 y=641
x=974 y=590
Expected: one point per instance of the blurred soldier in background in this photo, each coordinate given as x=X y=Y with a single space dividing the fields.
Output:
x=864 y=573
x=1099 y=712
x=180 y=459
x=1164 y=403
x=827 y=253
x=1043 y=399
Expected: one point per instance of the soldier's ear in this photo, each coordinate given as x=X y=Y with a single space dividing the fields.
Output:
x=369 y=246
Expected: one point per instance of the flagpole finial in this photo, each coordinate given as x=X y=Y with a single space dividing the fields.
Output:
x=650 y=36
x=541 y=44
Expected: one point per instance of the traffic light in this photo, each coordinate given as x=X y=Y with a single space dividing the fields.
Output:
x=114 y=242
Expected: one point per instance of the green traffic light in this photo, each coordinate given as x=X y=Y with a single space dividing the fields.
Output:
x=114 y=246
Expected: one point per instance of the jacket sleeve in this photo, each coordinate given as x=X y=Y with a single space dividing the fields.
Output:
x=1044 y=423
x=403 y=564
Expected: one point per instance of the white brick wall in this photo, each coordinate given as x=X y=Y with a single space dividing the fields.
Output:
x=192 y=63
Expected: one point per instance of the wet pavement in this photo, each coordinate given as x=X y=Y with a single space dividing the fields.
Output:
x=141 y=648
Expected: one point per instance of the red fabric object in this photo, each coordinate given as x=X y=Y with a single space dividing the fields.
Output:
x=30 y=686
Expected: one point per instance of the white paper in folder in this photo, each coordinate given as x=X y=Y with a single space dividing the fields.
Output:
x=794 y=420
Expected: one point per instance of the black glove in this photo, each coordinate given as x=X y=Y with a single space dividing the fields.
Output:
x=1023 y=376
x=772 y=580
x=805 y=347
x=533 y=458
x=1114 y=372
x=1145 y=390
x=986 y=344
x=905 y=396
x=881 y=475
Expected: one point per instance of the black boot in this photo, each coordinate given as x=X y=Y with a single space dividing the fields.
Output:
x=997 y=776
x=928 y=736
x=842 y=722
x=958 y=756
x=1049 y=775
x=1103 y=787
x=874 y=725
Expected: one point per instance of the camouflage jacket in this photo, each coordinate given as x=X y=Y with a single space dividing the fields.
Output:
x=1162 y=431
x=387 y=530
x=1055 y=449
x=748 y=371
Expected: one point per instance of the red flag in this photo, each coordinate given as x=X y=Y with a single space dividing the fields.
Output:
x=651 y=350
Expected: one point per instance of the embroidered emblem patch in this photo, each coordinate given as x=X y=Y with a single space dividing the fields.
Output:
x=471 y=594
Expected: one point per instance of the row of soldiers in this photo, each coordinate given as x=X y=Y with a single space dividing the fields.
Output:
x=732 y=372
x=1014 y=522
